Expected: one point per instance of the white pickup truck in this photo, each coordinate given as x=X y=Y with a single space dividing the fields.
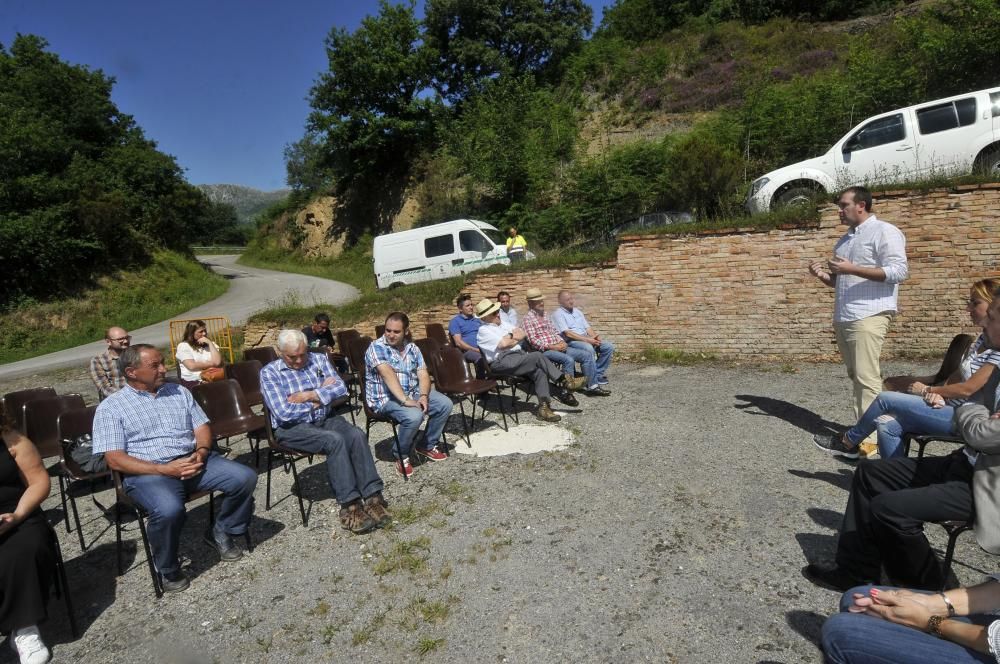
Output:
x=952 y=135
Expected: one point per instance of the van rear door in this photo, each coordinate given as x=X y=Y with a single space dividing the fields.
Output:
x=880 y=150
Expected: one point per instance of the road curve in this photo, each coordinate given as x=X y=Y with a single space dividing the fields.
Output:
x=251 y=289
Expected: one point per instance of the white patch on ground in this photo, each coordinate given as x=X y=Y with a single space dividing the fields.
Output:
x=527 y=438
x=651 y=372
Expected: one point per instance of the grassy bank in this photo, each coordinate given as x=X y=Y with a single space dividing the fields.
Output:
x=170 y=285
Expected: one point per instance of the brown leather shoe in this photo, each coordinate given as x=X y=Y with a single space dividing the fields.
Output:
x=546 y=414
x=356 y=519
x=376 y=506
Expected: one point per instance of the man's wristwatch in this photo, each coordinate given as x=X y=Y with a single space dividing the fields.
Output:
x=947 y=603
x=934 y=626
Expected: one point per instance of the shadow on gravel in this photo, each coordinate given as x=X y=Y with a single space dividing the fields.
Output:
x=826 y=518
x=808 y=624
x=817 y=548
x=840 y=479
x=798 y=416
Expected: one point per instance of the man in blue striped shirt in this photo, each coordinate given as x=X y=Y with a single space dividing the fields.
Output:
x=155 y=434
x=397 y=384
x=299 y=389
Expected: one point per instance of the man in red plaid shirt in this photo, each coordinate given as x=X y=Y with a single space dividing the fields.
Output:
x=543 y=337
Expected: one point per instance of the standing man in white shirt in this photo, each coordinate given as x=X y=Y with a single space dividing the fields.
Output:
x=868 y=264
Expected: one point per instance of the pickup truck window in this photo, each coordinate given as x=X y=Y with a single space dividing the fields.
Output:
x=877 y=132
x=439 y=245
x=473 y=241
x=995 y=102
x=950 y=115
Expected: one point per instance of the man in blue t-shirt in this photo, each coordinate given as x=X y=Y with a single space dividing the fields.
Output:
x=463 y=330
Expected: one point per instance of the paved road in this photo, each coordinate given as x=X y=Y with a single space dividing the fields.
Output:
x=251 y=290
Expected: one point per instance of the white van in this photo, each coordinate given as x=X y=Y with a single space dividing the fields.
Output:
x=435 y=252
x=951 y=135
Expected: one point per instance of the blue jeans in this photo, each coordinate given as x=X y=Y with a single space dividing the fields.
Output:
x=409 y=419
x=567 y=361
x=856 y=638
x=163 y=499
x=895 y=413
x=604 y=352
x=350 y=467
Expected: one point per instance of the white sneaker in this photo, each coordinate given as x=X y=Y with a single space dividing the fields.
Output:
x=28 y=645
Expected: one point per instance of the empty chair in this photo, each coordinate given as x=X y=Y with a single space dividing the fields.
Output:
x=263 y=354
x=437 y=332
x=41 y=421
x=72 y=424
x=13 y=403
x=229 y=413
x=453 y=381
x=429 y=348
x=247 y=374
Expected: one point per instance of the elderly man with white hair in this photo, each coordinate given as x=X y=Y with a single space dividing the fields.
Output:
x=299 y=389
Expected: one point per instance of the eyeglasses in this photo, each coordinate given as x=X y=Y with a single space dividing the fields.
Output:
x=121 y=339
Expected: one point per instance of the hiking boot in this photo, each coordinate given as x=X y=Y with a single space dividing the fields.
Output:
x=28 y=645
x=403 y=467
x=174 y=582
x=356 y=519
x=566 y=397
x=596 y=390
x=572 y=383
x=834 y=444
x=224 y=544
x=431 y=454
x=834 y=578
x=545 y=413
x=376 y=506
x=868 y=450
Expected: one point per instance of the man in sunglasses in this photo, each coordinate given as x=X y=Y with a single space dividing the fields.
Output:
x=868 y=264
x=105 y=370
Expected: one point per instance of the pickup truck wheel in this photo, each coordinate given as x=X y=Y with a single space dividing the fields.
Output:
x=988 y=162
x=795 y=196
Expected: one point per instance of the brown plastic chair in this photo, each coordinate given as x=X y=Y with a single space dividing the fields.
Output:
x=72 y=424
x=263 y=354
x=247 y=374
x=229 y=412
x=379 y=331
x=13 y=403
x=126 y=501
x=429 y=348
x=41 y=420
x=453 y=381
x=288 y=457
x=437 y=332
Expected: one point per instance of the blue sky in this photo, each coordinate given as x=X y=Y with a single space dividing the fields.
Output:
x=219 y=84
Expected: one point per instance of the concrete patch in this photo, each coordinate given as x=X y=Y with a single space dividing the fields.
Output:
x=651 y=372
x=527 y=438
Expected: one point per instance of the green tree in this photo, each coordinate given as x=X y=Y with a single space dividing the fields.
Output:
x=478 y=40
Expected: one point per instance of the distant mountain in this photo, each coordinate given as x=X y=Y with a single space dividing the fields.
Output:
x=248 y=201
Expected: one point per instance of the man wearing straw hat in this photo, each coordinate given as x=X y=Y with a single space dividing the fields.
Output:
x=501 y=348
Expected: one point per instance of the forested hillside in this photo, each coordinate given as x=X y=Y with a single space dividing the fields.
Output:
x=504 y=109
x=83 y=192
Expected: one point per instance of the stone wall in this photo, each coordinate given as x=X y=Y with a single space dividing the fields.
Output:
x=747 y=293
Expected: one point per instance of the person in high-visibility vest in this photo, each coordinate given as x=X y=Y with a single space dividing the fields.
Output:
x=516 y=245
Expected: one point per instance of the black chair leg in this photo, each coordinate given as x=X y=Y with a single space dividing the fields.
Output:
x=399 y=450
x=298 y=493
x=118 y=535
x=157 y=588
x=503 y=411
x=62 y=588
x=267 y=499
x=211 y=509
x=76 y=521
x=62 y=495
x=949 y=555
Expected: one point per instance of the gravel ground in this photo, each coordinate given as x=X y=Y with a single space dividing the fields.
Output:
x=673 y=530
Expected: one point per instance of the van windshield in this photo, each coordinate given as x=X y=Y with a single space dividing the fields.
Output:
x=496 y=237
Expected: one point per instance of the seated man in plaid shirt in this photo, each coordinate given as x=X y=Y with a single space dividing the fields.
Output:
x=545 y=338
x=397 y=384
x=299 y=388
x=155 y=434
x=104 y=368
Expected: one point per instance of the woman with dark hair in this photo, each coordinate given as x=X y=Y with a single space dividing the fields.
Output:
x=27 y=546
x=198 y=356
x=928 y=409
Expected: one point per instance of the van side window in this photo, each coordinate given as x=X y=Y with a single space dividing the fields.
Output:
x=473 y=241
x=995 y=103
x=439 y=245
x=877 y=132
x=943 y=117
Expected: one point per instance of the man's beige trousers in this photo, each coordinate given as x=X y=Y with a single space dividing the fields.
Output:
x=860 y=344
